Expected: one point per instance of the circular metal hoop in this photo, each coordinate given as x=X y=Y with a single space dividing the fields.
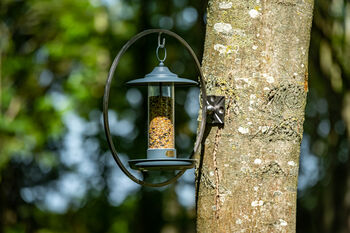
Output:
x=106 y=102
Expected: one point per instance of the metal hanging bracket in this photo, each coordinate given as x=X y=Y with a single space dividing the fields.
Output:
x=216 y=109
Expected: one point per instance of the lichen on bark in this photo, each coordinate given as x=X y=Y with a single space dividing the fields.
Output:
x=255 y=54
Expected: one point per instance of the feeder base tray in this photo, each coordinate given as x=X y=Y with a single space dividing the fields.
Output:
x=161 y=164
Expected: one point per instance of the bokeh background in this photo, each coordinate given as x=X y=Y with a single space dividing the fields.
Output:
x=56 y=172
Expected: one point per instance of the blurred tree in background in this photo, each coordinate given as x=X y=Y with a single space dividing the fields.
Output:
x=324 y=181
x=56 y=173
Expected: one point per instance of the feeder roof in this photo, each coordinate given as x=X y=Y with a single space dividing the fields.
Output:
x=162 y=74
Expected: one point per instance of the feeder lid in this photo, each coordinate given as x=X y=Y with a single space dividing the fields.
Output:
x=161 y=74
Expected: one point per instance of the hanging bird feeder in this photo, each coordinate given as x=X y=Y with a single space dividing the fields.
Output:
x=161 y=152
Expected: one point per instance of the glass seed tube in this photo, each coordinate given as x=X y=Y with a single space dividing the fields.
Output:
x=161 y=121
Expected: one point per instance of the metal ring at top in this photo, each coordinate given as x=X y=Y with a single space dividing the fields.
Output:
x=106 y=101
x=157 y=53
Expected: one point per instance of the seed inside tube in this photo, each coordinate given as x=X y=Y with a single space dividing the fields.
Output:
x=161 y=127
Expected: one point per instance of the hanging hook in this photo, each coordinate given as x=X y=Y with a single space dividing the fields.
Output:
x=161 y=45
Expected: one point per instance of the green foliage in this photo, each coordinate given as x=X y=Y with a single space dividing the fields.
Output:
x=54 y=60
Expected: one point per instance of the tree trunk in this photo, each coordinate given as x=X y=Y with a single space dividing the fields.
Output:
x=256 y=55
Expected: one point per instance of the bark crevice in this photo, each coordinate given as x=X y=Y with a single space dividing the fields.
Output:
x=216 y=173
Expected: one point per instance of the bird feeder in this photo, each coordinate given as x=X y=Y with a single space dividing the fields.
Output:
x=161 y=151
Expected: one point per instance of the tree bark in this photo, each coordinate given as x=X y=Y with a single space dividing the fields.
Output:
x=256 y=55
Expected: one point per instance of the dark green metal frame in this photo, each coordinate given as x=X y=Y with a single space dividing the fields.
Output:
x=106 y=101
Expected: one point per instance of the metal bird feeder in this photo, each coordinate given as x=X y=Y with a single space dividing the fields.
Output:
x=161 y=152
